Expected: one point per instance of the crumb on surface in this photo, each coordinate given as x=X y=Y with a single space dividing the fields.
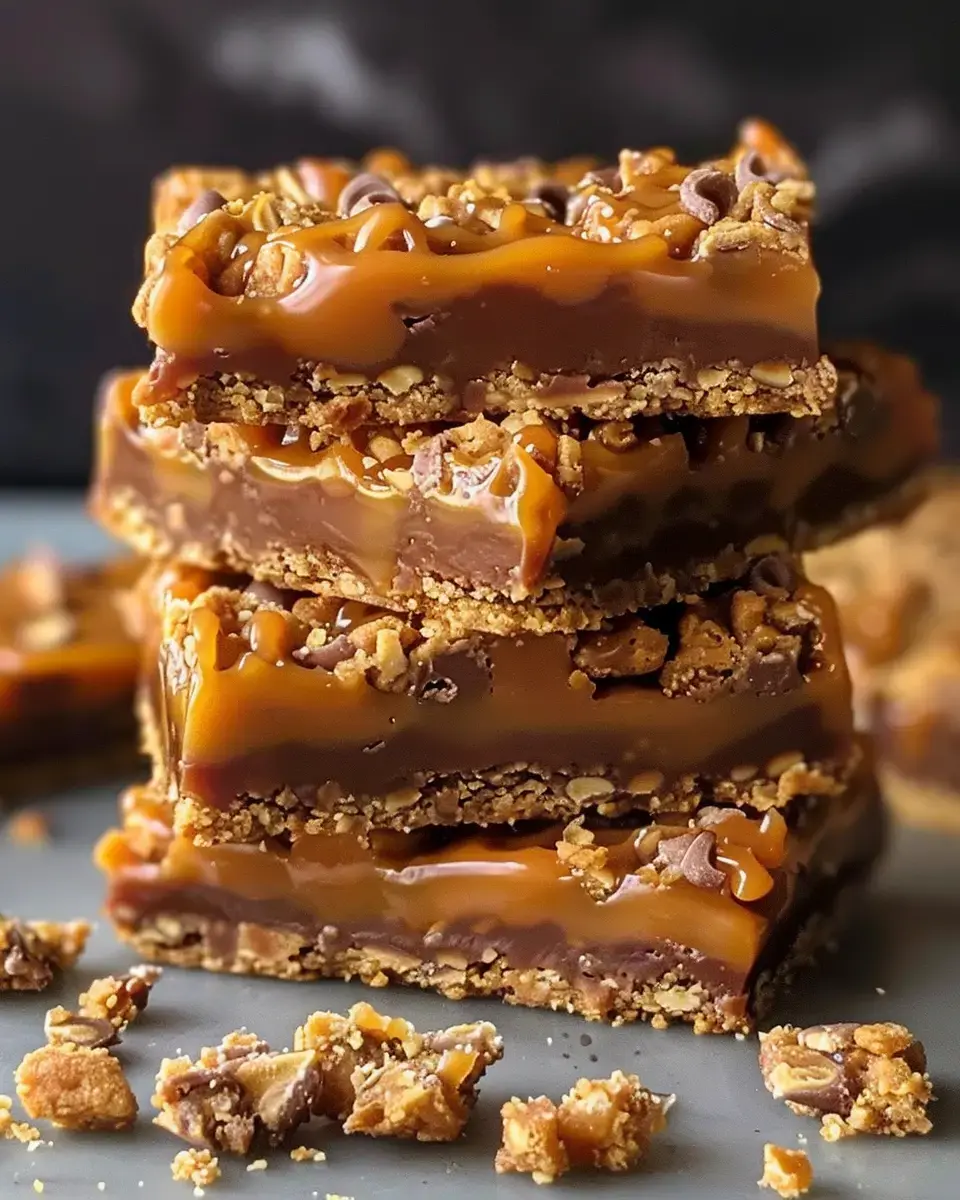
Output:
x=605 y=1124
x=76 y=1088
x=301 y=1154
x=18 y=1131
x=786 y=1172
x=120 y=999
x=856 y=1078
x=28 y=827
x=258 y=1164
x=195 y=1165
x=31 y=952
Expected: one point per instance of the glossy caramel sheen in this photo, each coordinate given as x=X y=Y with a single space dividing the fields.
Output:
x=242 y=715
x=503 y=522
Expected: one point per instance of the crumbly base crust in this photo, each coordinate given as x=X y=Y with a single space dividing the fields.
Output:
x=333 y=404
x=521 y=792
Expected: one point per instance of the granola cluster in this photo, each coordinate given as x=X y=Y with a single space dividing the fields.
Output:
x=104 y=1010
x=31 y=952
x=76 y=1088
x=375 y=1075
x=603 y=1124
x=856 y=1078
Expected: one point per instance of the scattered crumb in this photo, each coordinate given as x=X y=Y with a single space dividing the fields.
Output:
x=605 y=1124
x=76 y=1088
x=880 y=991
x=258 y=1164
x=31 y=952
x=38 y=1186
x=786 y=1172
x=307 y=1154
x=28 y=827
x=195 y=1166
x=13 y=1130
x=101 y=1186
x=856 y=1078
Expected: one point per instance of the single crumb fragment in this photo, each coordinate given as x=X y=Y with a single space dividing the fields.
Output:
x=302 y=1154
x=120 y=999
x=605 y=1124
x=28 y=827
x=857 y=1078
x=32 y=951
x=17 y=1131
x=195 y=1166
x=258 y=1164
x=38 y=1186
x=786 y=1172
x=76 y=1088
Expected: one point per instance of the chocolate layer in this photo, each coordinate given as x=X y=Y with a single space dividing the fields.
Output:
x=534 y=515
x=630 y=934
x=416 y=727
x=67 y=667
x=634 y=272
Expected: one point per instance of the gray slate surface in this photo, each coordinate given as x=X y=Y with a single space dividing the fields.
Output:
x=905 y=941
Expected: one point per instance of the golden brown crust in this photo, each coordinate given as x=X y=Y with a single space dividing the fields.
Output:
x=76 y=1088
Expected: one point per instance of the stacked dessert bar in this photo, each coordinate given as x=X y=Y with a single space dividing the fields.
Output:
x=479 y=656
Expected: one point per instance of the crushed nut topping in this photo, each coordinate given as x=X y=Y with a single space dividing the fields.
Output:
x=603 y=1124
x=76 y=1087
x=856 y=1078
x=31 y=952
x=375 y=1074
x=105 y=1009
x=786 y=1172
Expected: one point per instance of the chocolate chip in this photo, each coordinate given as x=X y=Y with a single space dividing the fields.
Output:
x=707 y=194
x=752 y=168
x=772 y=575
x=772 y=674
x=606 y=177
x=552 y=197
x=207 y=202
x=326 y=657
x=29 y=968
x=697 y=866
x=363 y=191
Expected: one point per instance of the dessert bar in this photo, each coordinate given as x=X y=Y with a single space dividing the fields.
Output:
x=280 y=712
x=665 y=918
x=896 y=592
x=521 y=523
x=67 y=670
x=345 y=294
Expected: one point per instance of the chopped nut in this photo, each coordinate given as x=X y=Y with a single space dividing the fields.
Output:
x=786 y=1172
x=586 y=861
x=62 y=1026
x=605 y=1124
x=29 y=827
x=588 y=787
x=636 y=649
x=773 y=374
x=196 y=1166
x=857 y=1078
x=31 y=951
x=76 y=1088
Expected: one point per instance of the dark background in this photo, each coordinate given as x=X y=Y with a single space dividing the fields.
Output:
x=96 y=96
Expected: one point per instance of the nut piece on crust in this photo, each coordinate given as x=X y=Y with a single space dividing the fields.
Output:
x=76 y=1088
x=857 y=1078
x=786 y=1172
x=199 y=1167
x=605 y=1124
x=32 y=951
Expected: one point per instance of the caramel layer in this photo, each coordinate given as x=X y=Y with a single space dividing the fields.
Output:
x=67 y=667
x=509 y=896
x=245 y=714
x=671 y=500
x=636 y=271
